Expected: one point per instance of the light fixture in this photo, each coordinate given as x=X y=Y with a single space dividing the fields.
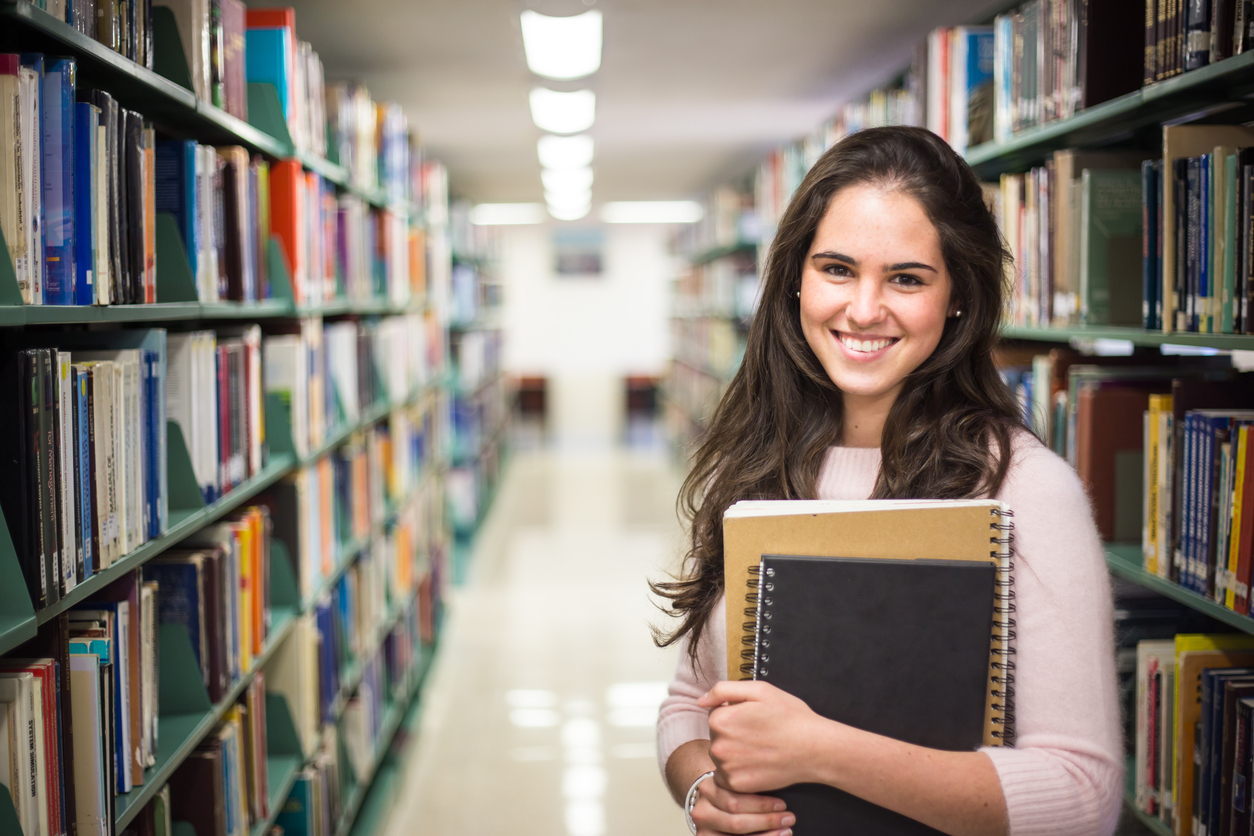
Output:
x=570 y=211
x=500 y=214
x=565 y=151
x=652 y=212
x=566 y=181
x=562 y=47
x=569 y=199
x=563 y=113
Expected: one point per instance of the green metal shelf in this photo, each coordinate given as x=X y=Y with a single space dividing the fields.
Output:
x=186 y=731
x=1136 y=336
x=1188 y=93
x=182 y=525
x=1125 y=561
x=17 y=315
x=723 y=251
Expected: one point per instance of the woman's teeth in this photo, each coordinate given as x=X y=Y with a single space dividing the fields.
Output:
x=865 y=346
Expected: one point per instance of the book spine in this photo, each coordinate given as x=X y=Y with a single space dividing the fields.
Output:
x=84 y=202
x=1228 y=230
x=58 y=180
x=1192 y=230
x=49 y=512
x=1188 y=450
x=1205 y=290
x=1149 y=240
x=84 y=470
x=65 y=482
x=1179 y=223
x=1151 y=8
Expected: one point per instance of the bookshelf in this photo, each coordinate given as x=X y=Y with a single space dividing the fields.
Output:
x=185 y=715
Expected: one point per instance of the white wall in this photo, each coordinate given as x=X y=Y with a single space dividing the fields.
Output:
x=586 y=334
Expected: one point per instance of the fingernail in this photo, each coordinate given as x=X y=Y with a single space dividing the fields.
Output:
x=786 y=833
x=789 y=820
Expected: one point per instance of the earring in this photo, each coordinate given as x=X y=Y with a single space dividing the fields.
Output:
x=798 y=294
x=957 y=314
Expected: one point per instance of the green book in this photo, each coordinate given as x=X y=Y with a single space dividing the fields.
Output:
x=1110 y=247
x=1229 y=246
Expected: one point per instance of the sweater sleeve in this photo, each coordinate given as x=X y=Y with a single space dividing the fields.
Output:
x=1065 y=772
x=680 y=718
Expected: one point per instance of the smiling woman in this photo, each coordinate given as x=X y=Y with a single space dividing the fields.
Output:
x=868 y=373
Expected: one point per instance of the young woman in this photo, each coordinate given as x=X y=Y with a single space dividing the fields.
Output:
x=869 y=373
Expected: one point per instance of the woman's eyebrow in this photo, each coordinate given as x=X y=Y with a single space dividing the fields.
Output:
x=910 y=265
x=848 y=259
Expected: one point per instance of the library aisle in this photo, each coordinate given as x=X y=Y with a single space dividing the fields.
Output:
x=539 y=712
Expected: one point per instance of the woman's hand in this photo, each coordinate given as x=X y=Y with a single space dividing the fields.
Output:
x=761 y=738
x=720 y=811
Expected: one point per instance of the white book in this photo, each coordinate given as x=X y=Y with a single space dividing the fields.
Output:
x=105 y=497
x=127 y=441
x=285 y=376
x=207 y=394
x=191 y=17
x=7 y=749
x=71 y=553
x=32 y=177
x=9 y=173
x=104 y=263
x=88 y=742
x=18 y=690
x=148 y=596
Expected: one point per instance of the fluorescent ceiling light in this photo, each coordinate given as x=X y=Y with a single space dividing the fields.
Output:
x=652 y=212
x=563 y=213
x=563 y=113
x=498 y=214
x=565 y=151
x=568 y=199
x=562 y=47
x=566 y=181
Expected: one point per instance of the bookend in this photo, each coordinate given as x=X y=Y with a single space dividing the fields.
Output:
x=278 y=274
x=279 y=426
x=265 y=112
x=9 y=822
x=181 y=686
x=17 y=613
x=333 y=146
x=168 y=59
x=281 y=736
x=185 y=496
x=9 y=292
x=182 y=828
x=284 y=591
x=175 y=282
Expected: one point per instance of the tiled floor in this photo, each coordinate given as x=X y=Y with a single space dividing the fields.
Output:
x=539 y=713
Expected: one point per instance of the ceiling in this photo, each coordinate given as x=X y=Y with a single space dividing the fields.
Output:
x=690 y=94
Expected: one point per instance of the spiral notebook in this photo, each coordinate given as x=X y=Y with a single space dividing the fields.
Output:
x=891 y=616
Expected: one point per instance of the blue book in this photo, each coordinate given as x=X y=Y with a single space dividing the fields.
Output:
x=182 y=600
x=86 y=117
x=268 y=59
x=176 y=191
x=296 y=817
x=57 y=102
x=1192 y=227
x=83 y=469
x=1203 y=246
x=152 y=449
x=1186 y=502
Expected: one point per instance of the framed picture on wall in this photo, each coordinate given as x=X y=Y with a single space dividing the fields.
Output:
x=578 y=252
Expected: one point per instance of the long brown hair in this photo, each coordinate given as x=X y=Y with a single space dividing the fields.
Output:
x=948 y=435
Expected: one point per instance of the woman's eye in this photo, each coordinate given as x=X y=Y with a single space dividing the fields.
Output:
x=907 y=280
x=837 y=270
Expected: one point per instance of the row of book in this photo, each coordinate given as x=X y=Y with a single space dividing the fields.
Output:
x=77 y=188
x=82 y=183
x=214 y=395
x=1193 y=725
x=1183 y=35
x=83 y=436
x=328 y=374
x=79 y=704
x=1074 y=229
x=126 y=28
x=336 y=502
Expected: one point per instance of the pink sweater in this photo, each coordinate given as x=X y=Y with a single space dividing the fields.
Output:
x=1065 y=773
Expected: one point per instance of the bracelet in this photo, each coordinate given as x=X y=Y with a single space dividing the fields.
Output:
x=691 y=801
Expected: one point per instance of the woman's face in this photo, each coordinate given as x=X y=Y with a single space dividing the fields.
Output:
x=874 y=292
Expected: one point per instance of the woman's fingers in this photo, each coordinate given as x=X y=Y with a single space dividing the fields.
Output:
x=722 y=811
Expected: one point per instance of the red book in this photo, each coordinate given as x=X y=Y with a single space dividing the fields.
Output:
x=1108 y=430
x=287 y=185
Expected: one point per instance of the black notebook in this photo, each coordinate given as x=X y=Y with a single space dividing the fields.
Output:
x=896 y=647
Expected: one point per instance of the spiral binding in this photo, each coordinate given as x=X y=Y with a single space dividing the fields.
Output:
x=1001 y=668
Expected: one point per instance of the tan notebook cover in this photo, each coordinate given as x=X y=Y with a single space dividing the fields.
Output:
x=884 y=529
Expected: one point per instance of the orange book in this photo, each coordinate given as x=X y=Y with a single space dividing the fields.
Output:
x=287 y=185
x=417 y=262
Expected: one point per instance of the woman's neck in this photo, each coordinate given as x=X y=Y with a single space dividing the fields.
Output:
x=863 y=418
